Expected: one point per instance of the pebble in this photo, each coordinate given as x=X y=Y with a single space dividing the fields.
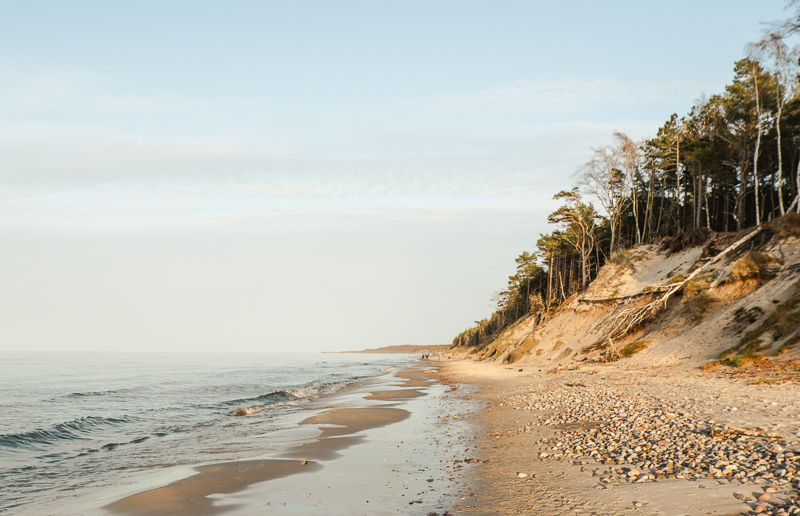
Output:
x=637 y=438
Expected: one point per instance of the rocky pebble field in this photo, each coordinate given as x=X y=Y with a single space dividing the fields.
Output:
x=625 y=436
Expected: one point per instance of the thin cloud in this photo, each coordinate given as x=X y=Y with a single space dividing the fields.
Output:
x=26 y=89
x=80 y=171
x=134 y=180
x=571 y=95
x=212 y=204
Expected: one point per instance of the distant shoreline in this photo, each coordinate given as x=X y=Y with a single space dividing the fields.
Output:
x=405 y=349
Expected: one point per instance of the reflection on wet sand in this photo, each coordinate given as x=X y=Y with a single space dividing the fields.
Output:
x=190 y=495
x=339 y=429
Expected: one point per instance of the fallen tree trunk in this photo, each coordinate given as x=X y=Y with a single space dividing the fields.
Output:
x=650 y=292
x=631 y=318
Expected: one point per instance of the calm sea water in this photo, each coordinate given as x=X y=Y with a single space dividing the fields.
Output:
x=76 y=424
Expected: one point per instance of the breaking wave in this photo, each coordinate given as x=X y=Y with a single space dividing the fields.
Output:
x=76 y=429
x=302 y=394
x=272 y=396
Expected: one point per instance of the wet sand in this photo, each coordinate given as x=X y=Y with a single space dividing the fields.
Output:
x=346 y=421
x=400 y=394
x=191 y=495
x=401 y=439
x=353 y=420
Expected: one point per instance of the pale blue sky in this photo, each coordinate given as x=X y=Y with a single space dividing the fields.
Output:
x=319 y=175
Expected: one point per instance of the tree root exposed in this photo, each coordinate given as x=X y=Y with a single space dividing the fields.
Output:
x=650 y=291
x=635 y=317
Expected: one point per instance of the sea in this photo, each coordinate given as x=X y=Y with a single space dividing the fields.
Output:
x=76 y=426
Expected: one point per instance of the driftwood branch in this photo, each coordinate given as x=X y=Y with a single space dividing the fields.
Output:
x=633 y=317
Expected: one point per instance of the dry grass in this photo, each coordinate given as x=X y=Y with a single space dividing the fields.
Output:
x=621 y=257
x=634 y=347
x=783 y=322
x=698 y=284
x=787 y=226
x=754 y=264
x=678 y=278
x=681 y=241
x=698 y=305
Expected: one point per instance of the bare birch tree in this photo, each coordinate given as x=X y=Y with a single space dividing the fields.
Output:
x=631 y=160
x=605 y=177
x=782 y=62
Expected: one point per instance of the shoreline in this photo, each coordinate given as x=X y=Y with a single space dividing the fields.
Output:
x=539 y=431
x=384 y=434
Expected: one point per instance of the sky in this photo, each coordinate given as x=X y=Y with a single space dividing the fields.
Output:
x=312 y=175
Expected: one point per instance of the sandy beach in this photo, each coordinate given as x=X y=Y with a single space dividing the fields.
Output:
x=395 y=447
x=455 y=435
x=606 y=439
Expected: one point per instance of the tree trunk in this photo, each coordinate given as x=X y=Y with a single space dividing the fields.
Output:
x=797 y=185
x=758 y=145
x=708 y=211
x=613 y=233
x=664 y=193
x=755 y=175
x=549 y=280
x=583 y=258
x=738 y=207
x=693 y=199
x=636 y=216
x=678 y=177
x=678 y=169
x=725 y=212
x=780 y=158
x=648 y=210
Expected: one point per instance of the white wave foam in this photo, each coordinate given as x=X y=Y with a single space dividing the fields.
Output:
x=316 y=389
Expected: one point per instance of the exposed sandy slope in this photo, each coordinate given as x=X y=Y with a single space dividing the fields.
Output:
x=675 y=338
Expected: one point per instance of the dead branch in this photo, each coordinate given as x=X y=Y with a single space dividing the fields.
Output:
x=633 y=317
x=647 y=292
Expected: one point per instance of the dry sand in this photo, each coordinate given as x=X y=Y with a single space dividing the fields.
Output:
x=515 y=480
